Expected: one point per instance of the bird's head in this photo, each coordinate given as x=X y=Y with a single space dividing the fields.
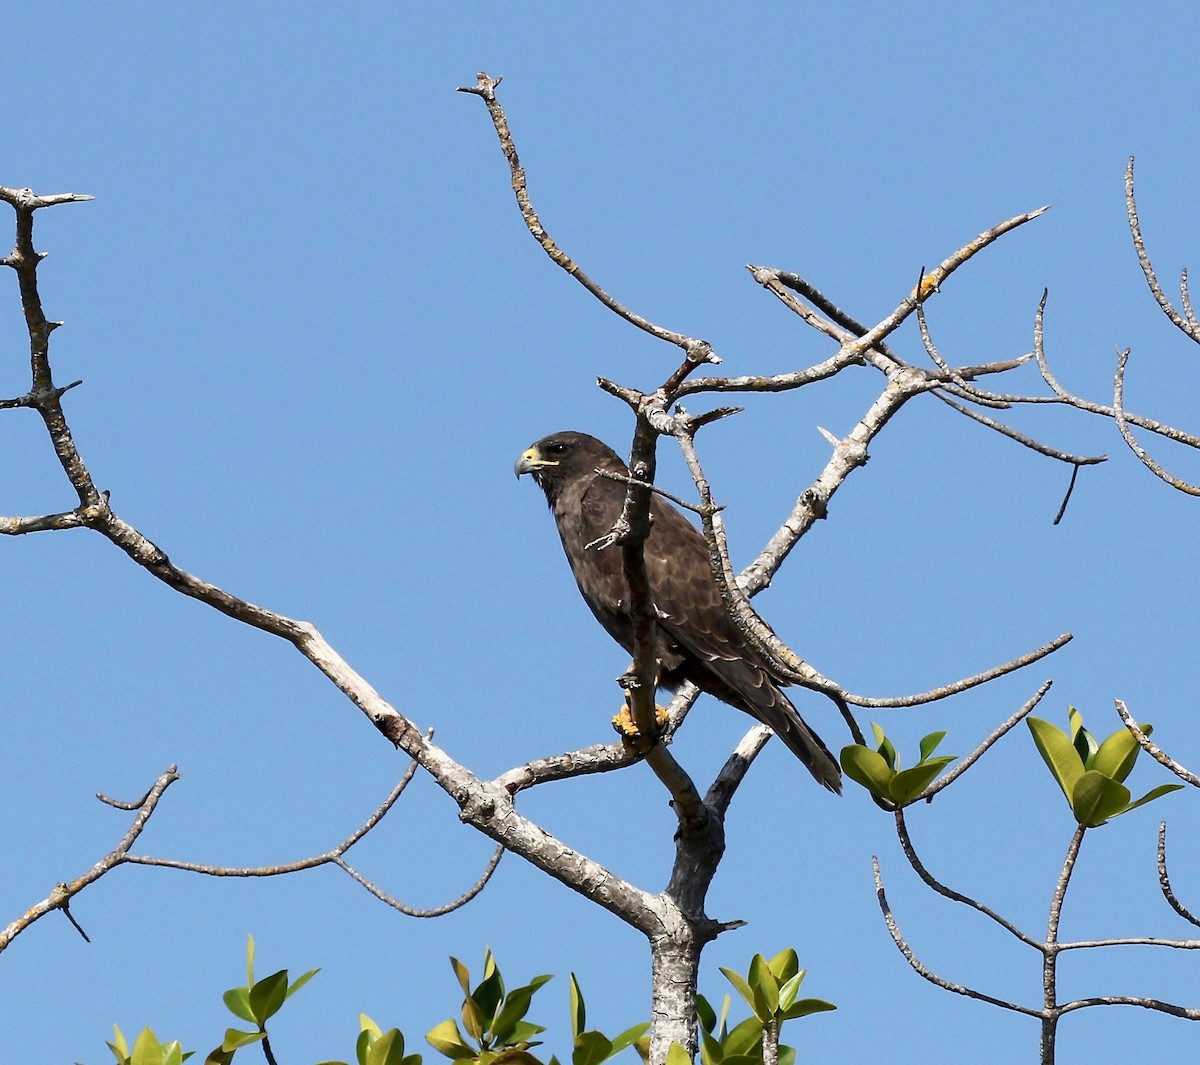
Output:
x=561 y=458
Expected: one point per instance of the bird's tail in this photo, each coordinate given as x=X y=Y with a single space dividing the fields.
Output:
x=805 y=744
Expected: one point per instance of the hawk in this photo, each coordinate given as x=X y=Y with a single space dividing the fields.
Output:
x=697 y=640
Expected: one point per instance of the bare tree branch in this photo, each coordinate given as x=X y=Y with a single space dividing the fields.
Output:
x=1123 y=425
x=925 y=972
x=488 y=807
x=946 y=690
x=946 y=892
x=966 y=763
x=697 y=351
x=1164 y=880
x=1185 y=323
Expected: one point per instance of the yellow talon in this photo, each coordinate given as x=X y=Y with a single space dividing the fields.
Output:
x=627 y=728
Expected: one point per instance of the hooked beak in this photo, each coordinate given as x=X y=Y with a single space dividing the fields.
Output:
x=530 y=462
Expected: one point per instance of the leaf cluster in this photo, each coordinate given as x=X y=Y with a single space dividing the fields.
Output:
x=495 y=1029
x=1092 y=774
x=879 y=770
x=771 y=989
x=256 y=1003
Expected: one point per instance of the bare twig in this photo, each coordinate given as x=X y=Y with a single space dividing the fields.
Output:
x=966 y=763
x=928 y=974
x=697 y=351
x=1185 y=323
x=1164 y=880
x=966 y=683
x=1152 y=748
x=334 y=856
x=947 y=892
x=1122 y=424
x=62 y=894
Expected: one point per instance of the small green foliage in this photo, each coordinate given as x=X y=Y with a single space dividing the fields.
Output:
x=147 y=1050
x=377 y=1047
x=1090 y=774
x=494 y=1020
x=770 y=989
x=256 y=1003
x=879 y=770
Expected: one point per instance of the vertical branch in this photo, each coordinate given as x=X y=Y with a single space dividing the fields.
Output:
x=1050 y=950
x=43 y=396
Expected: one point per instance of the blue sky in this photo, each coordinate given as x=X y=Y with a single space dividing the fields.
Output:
x=314 y=336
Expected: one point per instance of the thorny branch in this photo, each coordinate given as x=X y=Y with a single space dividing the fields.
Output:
x=488 y=807
x=61 y=896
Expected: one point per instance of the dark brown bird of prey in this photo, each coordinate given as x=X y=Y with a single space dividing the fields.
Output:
x=697 y=640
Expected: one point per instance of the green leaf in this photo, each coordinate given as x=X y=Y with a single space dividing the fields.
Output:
x=1118 y=754
x=676 y=1055
x=884 y=746
x=365 y=1024
x=522 y=1033
x=930 y=743
x=463 y=974
x=743 y=1038
x=578 y=1009
x=787 y=1055
x=1058 y=753
x=754 y=1058
x=591 y=1048
x=489 y=997
x=711 y=1051
x=514 y=1056
x=363 y=1043
x=789 y=990
x=388 y=1049
x=1082 y=740
x=909 y=783
x=628 y=1037
x=447 y=1040
x=868 y=768
x=237 y=1001
x=705 y=1014
x=740 y=986
x=118 y=1046
x=1096 y=798
x=1150 y=796
x=766 y=988
x=220 y=1056
x=473 y=1019
x=173 y=1053
x=804 y=1007
x=249 y=961
x=268 y=995
x=785 y=965
x=298 y=983
x=516 y=1005
x=146 y=1049
x=234 y=1039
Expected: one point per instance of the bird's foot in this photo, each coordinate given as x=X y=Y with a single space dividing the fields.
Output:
x=627 y=728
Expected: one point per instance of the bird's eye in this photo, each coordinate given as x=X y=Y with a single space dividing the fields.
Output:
x=556 y=448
